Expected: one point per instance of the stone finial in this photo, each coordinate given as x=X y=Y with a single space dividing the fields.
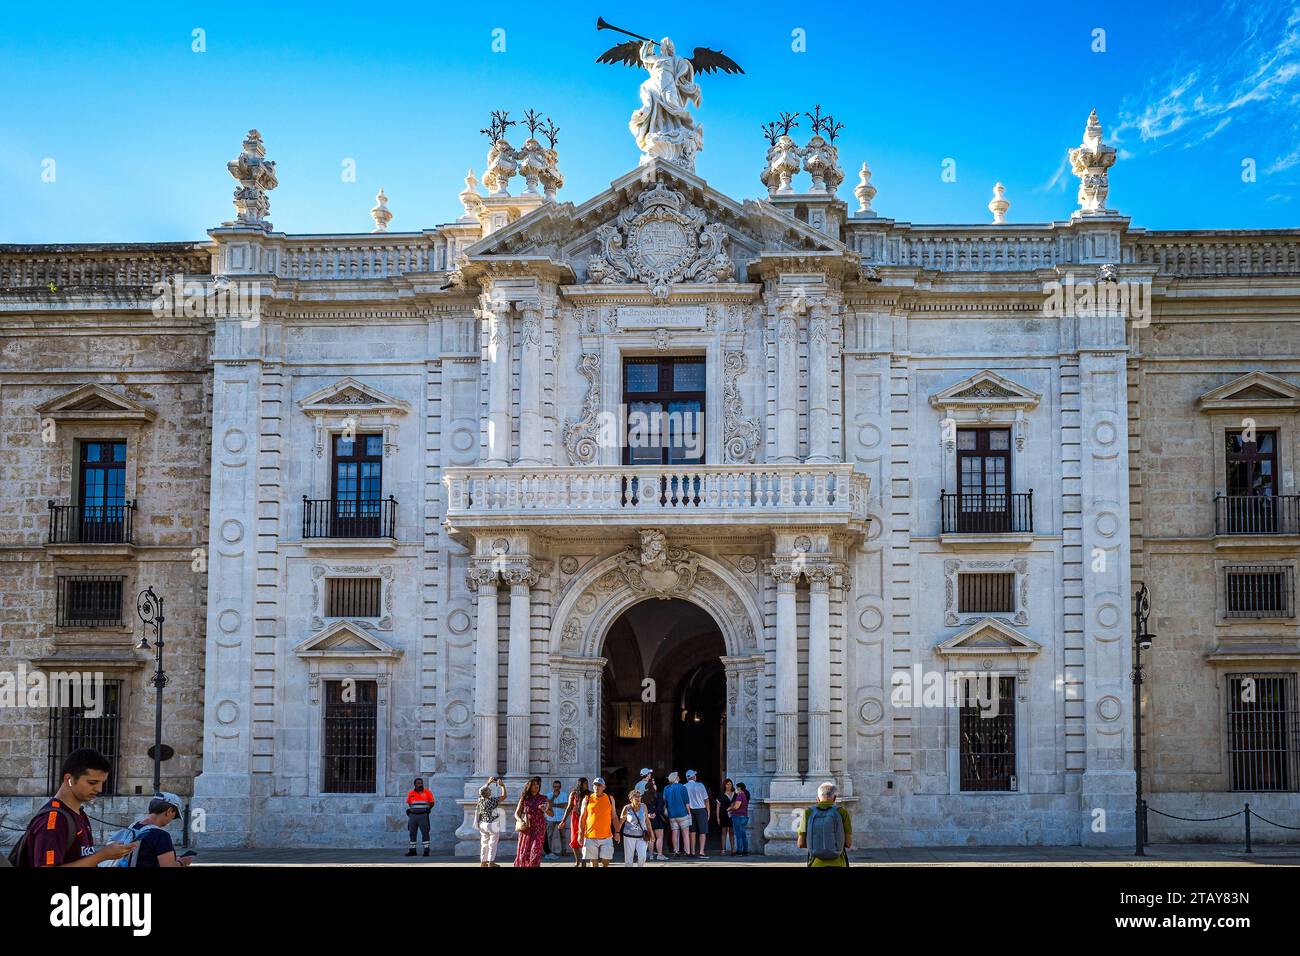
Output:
x=470 y=198
x=999 y=205
x=865 y=193
x=380 y=213
x=1091 y=162
x=256 y=176
x=783 y=157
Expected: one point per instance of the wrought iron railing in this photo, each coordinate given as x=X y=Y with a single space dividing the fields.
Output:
x=349 y=517
x=1257 y=514
x=987 y=513
x=91 y=524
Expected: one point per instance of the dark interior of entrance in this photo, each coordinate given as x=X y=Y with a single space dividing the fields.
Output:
x=678 y=647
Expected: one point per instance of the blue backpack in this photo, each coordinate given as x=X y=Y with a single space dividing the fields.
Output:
x=129 y=835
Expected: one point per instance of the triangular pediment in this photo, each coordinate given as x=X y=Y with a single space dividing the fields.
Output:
x=95 y=403
x=989 y=636
x=345 y=639
x=565 y=236
x=348 y=394
x=1254 y=390
x=985 y=389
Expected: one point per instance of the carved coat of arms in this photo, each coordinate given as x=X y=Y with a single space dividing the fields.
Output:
x=661 y=240
x=658 y=569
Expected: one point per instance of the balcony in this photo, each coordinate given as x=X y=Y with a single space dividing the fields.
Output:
x=983 y=519
x=632 y=495
x=89 y=530
x=349 y=523
x=1256 y=515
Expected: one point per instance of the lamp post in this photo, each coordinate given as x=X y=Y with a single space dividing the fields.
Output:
x=1141 y=642
x=149 y=607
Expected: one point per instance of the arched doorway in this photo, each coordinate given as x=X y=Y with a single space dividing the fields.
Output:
x=664 y=695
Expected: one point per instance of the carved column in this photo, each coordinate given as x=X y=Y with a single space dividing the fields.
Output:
x=819 y=385
x=530 y=384
x=519 y=669
x=787 y=673
x=787 y=385
x=819 y=671
x=484 y=582
x=498 y=328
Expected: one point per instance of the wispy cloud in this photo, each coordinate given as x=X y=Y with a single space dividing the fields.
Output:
x=1197 y=98
x=1060 y=178
x=1284 y=162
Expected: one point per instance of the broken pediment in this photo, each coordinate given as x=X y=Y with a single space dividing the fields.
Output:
x=983 y=390
x=91 y=403
x=1256 y=390
x=350 y=395
x=343 y=639
x=657 y=225
x=989 y=636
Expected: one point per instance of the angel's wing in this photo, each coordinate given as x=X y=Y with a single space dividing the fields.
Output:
x=629 y=54
x=707 y=61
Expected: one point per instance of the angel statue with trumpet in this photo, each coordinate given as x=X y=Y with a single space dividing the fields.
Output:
x=664 y=127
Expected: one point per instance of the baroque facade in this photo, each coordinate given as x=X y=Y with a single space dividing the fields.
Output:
x=433 y=548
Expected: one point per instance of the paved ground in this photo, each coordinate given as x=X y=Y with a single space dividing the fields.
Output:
x=1162 y=855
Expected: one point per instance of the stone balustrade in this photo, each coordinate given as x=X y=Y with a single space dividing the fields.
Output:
x=832 y=493
x=1218 y=254
x=351 y=257
x=99 y=267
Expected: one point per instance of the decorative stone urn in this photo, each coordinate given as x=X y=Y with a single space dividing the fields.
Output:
x=782 y=166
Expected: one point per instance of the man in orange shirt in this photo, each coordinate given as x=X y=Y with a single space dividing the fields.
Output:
x=596 y=825
x=419 y=802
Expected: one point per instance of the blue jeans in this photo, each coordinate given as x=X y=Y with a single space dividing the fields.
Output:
x=741 y=826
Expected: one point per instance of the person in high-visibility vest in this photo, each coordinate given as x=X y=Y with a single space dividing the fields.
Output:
x=418 y=804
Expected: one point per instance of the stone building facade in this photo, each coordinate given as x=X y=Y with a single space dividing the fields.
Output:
x=104 y=493
x=886 y=539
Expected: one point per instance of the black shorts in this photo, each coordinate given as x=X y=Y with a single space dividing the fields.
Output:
x=700 y=820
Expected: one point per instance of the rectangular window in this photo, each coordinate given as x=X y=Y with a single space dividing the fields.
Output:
x=988 y=736
x=986 y=593
x=90 y=600
x=984 y=480
x=1259 y=591
x=1251 y=506
x=357 y=486
x=101 y=480
x=665 y=410
x=350 y=736
x=352 y=597
x=71 y=729
x=1262 y=739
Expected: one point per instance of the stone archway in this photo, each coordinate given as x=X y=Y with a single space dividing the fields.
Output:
x=599 y=595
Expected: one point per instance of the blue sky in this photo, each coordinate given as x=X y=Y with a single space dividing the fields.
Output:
x=140 y=127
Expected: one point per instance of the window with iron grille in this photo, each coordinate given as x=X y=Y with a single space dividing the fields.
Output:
x=1262 y=740
x=352 y=597
x=72 y=728
x=986 y=593
x=350 y=742
x=90 y=600
x=988 y=735
x=1259 y=590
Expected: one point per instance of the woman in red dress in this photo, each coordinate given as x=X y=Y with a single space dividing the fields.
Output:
x=570 y=815
x=533 y=809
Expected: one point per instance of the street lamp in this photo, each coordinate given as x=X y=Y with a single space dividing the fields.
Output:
x=149 y=607
x=1142 y=639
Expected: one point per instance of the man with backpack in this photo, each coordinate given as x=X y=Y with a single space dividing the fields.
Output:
x=150 y=832
x=825 y=830
x=598 y=826
x=60 y=834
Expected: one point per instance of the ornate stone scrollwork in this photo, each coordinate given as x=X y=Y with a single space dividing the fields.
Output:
x=655 y=568
x=661 y=240
x=580 y=437
x=740 y=435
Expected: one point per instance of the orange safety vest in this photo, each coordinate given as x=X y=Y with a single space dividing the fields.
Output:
x=420 y=801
